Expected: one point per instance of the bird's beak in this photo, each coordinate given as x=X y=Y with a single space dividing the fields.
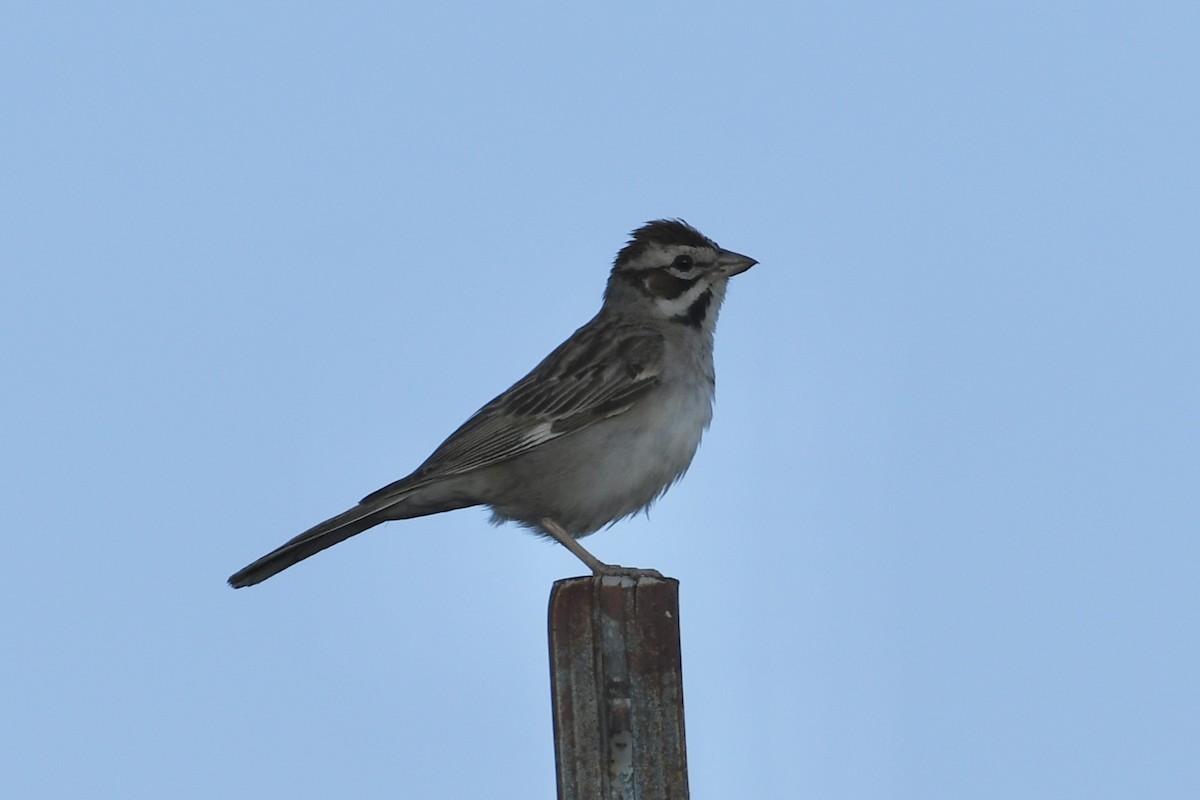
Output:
x=732 y=263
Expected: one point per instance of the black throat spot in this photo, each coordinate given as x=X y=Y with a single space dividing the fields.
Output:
x=697 y=311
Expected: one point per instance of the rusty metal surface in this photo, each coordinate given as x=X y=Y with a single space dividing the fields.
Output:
x=617 y=687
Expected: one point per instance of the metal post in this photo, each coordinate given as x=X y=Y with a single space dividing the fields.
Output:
x=617 y=686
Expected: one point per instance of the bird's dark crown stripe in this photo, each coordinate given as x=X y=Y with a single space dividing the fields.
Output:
x=663 y=232
x=697 y=311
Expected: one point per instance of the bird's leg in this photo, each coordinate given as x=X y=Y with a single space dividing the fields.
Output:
x=597 y=566
x=568 y=541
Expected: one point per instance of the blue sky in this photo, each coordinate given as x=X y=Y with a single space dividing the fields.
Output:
x=259 y=259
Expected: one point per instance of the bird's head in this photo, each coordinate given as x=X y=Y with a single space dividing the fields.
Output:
x=672 y=270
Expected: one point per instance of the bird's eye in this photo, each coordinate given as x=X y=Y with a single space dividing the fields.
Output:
x=683 y=262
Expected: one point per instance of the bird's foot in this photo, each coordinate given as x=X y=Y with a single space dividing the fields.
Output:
x=598 y=567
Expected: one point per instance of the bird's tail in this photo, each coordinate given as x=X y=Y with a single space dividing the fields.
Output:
x=311 y=542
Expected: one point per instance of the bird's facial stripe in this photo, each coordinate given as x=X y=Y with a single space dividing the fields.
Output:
x=666 y=284
x=681 y=304
x=655 y=255
x=697 y=312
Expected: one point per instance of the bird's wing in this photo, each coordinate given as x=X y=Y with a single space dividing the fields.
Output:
x=600 y=372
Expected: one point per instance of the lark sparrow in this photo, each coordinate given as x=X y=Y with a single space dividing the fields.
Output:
x=596 y=432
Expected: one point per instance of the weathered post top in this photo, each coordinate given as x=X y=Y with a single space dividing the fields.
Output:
x=617 y=686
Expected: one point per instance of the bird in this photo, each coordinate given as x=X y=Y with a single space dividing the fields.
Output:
x=595 y=433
